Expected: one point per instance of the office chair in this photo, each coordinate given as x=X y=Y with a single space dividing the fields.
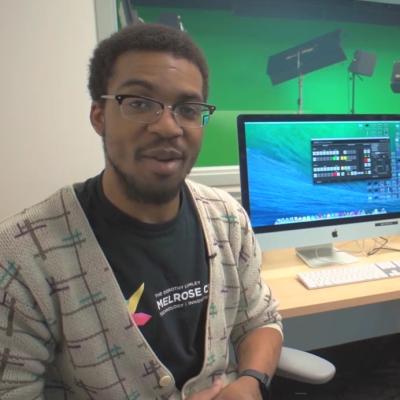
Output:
x=304 y=367
x=301 y=366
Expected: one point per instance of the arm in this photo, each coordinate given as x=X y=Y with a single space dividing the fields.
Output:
x=26 y=346
x=257 y=335
x=258 y=322
x=260 y=350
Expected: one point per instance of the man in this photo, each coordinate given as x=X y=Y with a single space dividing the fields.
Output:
x=133 y=284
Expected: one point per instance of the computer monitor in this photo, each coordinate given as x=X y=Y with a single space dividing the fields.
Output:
x=310 y=180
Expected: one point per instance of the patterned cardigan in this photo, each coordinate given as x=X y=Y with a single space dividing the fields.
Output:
x=65 y=330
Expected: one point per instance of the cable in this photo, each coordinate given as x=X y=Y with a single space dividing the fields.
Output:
x=390 y=248
x=361 y=248
x=378 y=244
x=375 y=249
x=382 y=247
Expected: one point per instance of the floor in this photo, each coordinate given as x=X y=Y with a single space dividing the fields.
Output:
x=366 y=370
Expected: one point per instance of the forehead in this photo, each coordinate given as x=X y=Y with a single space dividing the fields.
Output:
x=158 y=70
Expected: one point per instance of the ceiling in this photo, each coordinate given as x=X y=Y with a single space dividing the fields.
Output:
x=384 y=1
x=383 y=12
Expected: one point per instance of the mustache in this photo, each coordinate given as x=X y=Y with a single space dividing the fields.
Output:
x=162 y=151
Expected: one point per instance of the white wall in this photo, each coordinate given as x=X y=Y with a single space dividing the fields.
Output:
x=46 y=140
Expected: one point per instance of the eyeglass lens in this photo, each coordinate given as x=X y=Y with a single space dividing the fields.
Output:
x=146 y=110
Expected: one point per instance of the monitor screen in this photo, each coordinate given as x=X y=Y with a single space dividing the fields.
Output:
x=313 y=179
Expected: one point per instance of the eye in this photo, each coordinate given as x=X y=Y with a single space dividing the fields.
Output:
x=190 y=111
x=138 y=105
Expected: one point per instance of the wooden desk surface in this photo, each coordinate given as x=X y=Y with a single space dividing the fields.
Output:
x=281 y=266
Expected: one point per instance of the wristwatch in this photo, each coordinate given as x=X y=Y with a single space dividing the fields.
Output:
x=264 y=381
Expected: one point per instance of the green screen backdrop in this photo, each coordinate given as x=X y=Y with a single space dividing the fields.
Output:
x=237 y=49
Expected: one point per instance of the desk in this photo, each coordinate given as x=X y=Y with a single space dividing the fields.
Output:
x=330 y=316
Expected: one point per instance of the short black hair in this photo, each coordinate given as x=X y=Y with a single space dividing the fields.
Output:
x=141 y=37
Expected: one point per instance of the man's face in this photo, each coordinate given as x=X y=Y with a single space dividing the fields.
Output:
x=150 y=160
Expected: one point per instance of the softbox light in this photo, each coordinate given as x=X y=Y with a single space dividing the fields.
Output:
x=395 y=81
x=315 y=54
x=363 y=63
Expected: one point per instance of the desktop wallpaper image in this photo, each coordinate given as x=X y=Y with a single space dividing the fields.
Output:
x=280 y=181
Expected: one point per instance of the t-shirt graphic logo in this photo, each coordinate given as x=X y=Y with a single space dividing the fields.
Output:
x=140 y=319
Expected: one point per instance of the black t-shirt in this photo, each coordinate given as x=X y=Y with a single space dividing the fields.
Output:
x=162 y=271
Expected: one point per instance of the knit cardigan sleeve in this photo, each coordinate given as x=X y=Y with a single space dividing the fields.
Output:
x=257 y=306
x=27 y=343
x=256 y=294
x=249 y=304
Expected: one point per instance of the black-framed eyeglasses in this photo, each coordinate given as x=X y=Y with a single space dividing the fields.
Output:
x=189 y=114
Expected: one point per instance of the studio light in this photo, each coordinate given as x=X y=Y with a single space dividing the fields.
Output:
x=363 y=64
x=395 y=81
x=172 y=20
x=297 y=61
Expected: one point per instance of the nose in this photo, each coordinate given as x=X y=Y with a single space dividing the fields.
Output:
x=166 y=125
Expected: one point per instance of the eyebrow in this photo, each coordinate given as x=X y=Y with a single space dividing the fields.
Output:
x=185 y=96
x=190 y=97
x=135 y=82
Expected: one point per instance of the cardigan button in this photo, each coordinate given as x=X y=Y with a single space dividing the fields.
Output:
x=165 y=381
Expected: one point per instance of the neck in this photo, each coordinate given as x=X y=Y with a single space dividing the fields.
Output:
x=145 y=212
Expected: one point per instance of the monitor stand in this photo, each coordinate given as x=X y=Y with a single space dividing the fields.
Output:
x=323 y=255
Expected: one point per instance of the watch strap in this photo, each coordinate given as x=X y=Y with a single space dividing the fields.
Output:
x=260 y=376
x=263 y=379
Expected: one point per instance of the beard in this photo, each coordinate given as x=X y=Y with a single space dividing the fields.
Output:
x=139 y=191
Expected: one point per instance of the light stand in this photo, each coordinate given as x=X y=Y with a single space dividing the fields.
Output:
x=300 y=79
x=300 y=98
x=353 y=92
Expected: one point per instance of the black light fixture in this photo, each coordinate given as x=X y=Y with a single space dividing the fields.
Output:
x=297 y=61
x=363 y=64
x=172 y=20
x=128 y=14
x=395 y=81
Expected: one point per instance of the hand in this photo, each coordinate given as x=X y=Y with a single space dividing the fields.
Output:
x=244 y=388
x=210 y=393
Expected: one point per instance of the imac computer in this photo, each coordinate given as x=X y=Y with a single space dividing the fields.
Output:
x=310 y=180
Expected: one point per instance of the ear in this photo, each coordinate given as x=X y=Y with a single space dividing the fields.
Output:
x=97 y=117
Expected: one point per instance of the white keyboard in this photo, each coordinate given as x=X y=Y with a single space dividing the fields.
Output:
x=343 y=275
